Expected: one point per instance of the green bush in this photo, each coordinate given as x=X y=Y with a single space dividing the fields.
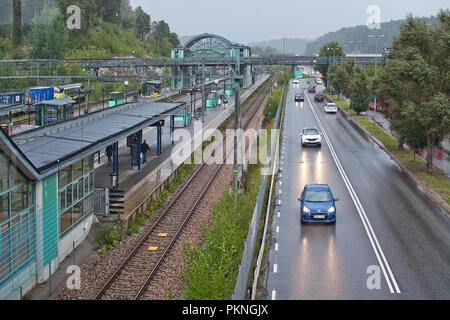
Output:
x=108 y=237
x=212 y=269
x=271 y=108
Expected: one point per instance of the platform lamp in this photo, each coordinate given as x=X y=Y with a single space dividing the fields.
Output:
x=126 y=90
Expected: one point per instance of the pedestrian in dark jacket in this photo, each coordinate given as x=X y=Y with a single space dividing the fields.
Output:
x=109 y=152
x=144 y=149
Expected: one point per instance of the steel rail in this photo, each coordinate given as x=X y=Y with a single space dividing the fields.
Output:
x=167 y=209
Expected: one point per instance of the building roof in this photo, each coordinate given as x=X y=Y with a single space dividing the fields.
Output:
x=57 y=102
x=59 y=145
x=11 y=93
x=70 y=86
x=6 y=108
x=153 y=82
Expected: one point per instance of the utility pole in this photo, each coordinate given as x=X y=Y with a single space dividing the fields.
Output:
x=237 y=122
x=376 y=58
x=203 y=91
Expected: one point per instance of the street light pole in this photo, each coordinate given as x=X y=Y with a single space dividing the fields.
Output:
x=376 y=58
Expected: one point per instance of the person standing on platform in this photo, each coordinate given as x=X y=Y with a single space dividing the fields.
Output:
x=109 y=152
x=144 y=149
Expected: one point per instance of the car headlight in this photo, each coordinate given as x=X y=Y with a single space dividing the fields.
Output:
x=305 y=209
x=331 y=210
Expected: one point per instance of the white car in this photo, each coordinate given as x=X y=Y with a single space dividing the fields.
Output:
x=330 y=108
x=296 y=81
x=311 y=137
x=319 y=81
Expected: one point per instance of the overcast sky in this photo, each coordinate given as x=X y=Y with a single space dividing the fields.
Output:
x=247 y=21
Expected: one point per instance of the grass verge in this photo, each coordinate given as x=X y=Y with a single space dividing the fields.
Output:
x=212 y=269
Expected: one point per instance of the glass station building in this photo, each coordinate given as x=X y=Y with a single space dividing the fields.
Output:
x=47 y=188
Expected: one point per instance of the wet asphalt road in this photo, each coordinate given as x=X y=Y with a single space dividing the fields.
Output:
x=384 y=221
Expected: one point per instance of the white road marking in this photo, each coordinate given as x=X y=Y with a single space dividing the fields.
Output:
x=362 y=214
x=275 y=268
x=274 y=294
x=276 y=246
x=278 y=229
x=279 y=214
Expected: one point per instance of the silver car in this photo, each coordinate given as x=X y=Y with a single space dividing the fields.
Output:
x=311 y=137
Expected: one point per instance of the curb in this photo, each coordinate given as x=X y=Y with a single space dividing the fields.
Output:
x=433 y=195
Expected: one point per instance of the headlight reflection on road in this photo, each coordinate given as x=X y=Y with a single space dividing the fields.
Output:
x=318 y=168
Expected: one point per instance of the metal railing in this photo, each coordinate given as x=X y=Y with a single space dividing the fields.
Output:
x=250 y=243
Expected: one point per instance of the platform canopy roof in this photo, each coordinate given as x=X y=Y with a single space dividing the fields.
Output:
x=59 y=145
x=57 y=102
x=12 y=107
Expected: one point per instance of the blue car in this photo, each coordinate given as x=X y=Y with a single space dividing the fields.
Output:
x=317 y=204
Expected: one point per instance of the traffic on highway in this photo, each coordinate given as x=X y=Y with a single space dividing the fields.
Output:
x=387 y=239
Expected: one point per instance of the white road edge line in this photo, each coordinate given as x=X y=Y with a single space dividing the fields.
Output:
x=365 y=220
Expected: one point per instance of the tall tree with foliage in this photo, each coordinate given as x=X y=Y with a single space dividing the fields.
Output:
x=88 y=17
x=415 y=82
x=330 y=50
x=109 y=10
x=143 y=26
x=160 y=30
x=348 y=69
x=17 y=23
x=49 y=35
x=338 y=77
x=360 y=90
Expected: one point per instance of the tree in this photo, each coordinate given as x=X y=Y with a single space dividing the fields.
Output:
x=48 y=35
x=160 y=30
x=349 y=68
x=88 y=16
x=143 y=26
x=17 y=23
x=360 y=91
x=415 y=81
x=411 y=129
x=330 y=50
x=173 y=39
x=109 y=10
x=337 y=77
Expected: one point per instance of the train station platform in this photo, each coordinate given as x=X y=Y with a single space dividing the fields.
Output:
x=138 y=185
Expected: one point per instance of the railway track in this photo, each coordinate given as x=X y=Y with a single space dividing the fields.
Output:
x=132 y=277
